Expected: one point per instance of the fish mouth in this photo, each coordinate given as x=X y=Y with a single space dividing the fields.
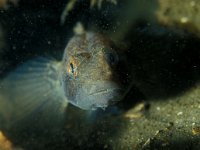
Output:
x=103 y=91
x=98 y=95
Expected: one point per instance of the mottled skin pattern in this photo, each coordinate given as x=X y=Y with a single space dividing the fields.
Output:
x=89 y=73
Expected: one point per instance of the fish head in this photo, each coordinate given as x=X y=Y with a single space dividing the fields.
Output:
x=89 y=76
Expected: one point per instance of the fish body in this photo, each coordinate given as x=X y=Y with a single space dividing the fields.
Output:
x=37 y=93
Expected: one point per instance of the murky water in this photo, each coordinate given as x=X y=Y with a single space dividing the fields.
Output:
x=160 y=51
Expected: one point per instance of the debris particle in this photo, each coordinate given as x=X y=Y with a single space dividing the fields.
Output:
x=196 y=130
x=179 y=113
x=5 y=144
x=158 y=108
x=137 y=111
x=192 y=3
x=184 y=19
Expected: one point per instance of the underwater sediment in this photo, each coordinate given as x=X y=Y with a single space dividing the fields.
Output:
x=161 y=110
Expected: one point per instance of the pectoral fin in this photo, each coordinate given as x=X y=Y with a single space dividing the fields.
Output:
x=34 y=92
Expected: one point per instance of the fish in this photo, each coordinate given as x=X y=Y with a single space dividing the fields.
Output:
x=41 y=89
x=89 y=72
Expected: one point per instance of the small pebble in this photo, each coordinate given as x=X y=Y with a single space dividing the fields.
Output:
x=196 y=131
x=179 y=113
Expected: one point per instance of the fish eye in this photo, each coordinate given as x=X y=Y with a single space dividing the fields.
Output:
x=72 y=68
x=112 y=57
